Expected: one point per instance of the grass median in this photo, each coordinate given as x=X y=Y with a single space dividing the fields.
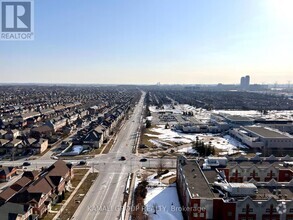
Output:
x=78 y=197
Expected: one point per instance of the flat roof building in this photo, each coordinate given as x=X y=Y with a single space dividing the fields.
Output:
x=220 y=193
x=262 y=137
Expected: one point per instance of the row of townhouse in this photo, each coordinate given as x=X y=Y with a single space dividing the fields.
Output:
x=261 y=169
x=30 y=118
x=32 y=195
x=59 y=123
x=101 y=128
x=261 y=172
x=210 y=193
x=20 y=147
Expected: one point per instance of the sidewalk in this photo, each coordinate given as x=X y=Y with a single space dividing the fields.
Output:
x=71 y=196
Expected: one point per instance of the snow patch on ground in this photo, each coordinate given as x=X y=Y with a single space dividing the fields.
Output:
x=227 y=144
x=188 y=150
x=256 y=114
x=156 y=143
x=165 y=198
x=248 y=113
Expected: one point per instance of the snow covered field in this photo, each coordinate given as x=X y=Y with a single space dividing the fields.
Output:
x=256 y=114
x=188 y=150
x=204 y=115
x=227 y=144
x=164 y=199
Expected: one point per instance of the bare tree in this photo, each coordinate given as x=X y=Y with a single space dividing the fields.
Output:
x=160 y=166
x=144 y=176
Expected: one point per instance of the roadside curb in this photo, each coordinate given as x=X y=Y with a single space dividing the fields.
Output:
x=56 y=217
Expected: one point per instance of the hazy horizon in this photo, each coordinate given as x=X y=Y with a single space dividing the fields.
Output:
x=145 y=42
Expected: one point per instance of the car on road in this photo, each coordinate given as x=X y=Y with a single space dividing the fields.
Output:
x=69 y=164
x=26 y=164
x=122 y=158
x=143 y=160
x=82 y=162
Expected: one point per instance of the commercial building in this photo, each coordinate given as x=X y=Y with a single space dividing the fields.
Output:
x=263 y=137
x=215 y=194
x=244 y=82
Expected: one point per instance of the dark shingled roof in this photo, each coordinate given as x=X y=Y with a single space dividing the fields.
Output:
x=7 y=193
x=22 y=182
x=31 y=174
x=59 y=168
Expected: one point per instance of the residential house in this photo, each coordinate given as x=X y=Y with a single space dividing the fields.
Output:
x=36 y=190
x=94 y=138
x=93 y=110
x=6 y=173
x=83 y=113
x=72 y=117
x=11 y=134
x=39 y=146
x=27 y=118
x=42 y=131
x=5 y=121
x=2 y=133
x=3 y=142
x=56 y=123
x=15 y=211
x=47 y=113
x=14 y=147
x=104 y=130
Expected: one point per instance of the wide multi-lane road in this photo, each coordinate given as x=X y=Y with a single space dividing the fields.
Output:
x=104 y=199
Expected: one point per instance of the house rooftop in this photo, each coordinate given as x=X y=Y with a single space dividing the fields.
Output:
x=7 y=193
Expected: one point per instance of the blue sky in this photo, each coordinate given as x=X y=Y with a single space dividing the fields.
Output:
x=149 y=41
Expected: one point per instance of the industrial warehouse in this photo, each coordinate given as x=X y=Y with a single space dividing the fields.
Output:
x=263 y=137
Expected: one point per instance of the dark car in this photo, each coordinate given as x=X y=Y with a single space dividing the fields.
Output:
x=143 y=160
x=82 y=162
x=122 y=158
x=26 y=164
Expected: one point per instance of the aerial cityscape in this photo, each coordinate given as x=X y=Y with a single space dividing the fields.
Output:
x=146 y=110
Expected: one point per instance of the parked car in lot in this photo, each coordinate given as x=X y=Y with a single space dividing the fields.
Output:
x=26 y=164
x=143 y=160
x=122 y=158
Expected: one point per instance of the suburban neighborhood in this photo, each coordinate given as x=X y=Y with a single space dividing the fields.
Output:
x=141 y=146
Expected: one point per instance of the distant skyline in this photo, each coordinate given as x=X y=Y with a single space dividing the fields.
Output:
x=145 y=42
